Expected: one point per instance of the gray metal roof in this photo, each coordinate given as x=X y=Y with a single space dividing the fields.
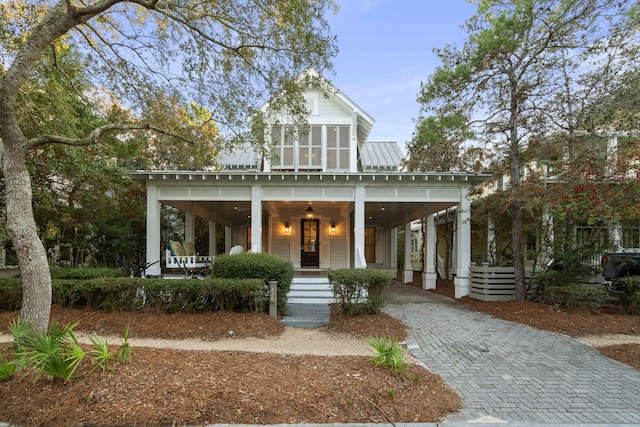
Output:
x=239 y=158
x=385 y=155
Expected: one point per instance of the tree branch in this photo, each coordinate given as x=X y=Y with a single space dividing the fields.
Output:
x=97 y=133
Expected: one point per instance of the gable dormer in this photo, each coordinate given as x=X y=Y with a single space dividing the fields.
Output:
x=337 y=131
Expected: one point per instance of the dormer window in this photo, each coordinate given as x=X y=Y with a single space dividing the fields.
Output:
x=283 y=141
x=319 y=148
x=310 y=149
x=338 y=147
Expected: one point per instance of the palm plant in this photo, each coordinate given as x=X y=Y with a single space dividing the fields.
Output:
x=100 y=353
x=125 y=351
x=388 y=353
x=56 y=352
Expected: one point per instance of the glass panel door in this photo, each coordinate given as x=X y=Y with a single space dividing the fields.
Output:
x=310 y=243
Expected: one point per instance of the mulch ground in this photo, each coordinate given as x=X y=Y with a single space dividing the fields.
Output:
x=168 y=387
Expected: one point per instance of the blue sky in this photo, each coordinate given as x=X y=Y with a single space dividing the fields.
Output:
x=386 y=51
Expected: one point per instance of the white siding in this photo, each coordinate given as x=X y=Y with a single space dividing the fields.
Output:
x=339 y=247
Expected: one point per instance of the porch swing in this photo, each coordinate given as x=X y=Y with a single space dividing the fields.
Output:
x=183 y=255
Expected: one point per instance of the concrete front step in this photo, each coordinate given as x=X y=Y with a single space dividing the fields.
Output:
x=310 y=290
x=306 y=315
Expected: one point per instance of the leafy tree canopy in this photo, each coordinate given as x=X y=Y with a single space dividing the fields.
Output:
x=215 y=62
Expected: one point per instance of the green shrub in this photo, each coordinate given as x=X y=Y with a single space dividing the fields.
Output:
x=186 y=295
x=10 y=294
x=388 y=353
x=240 y=294
x=84 y=273
x=629 y=294
x=359 y=290
x=128 y=294
x=257 y=266
x=55 y=352
x=125 y=352
x=568 y=268
x=576 y=296
x=108 y=289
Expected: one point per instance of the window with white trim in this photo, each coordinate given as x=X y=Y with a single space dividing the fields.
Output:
x=338 y=147
x=310 y=149
x=295 y=150
x=283 y=141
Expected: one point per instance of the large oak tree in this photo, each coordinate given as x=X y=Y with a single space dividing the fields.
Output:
x=227 y=57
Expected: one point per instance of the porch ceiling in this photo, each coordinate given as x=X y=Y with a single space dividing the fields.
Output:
x=392 y=214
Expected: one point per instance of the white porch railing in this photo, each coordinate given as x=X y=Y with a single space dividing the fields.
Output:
x=188 y=261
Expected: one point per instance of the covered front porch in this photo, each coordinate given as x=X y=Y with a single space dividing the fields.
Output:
x=318 y=221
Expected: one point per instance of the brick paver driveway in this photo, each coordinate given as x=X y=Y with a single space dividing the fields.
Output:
x=513 y=373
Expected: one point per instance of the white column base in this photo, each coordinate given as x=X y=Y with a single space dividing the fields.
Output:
x=154 y=270
x=461 y=286
x=408 y=276
x=429 y=280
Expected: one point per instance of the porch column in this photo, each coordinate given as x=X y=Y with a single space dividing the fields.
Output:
x=408 y=267
x=213 y=233
x=153 y=231
x=463 y=246
x=358 y=228
x=256 y=219
x=429 y=274
x=393 y=262
x=190 y=227
x=227 y=239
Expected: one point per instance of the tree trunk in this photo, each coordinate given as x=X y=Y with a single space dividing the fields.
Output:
x=516 y=206
x=518 y=258
x=21 y=227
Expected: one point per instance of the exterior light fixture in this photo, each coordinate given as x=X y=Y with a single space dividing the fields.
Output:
x=333 y=227
x=309 y=213
x=287 y=228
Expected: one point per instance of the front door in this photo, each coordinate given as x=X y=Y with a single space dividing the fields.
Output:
x=310 y=243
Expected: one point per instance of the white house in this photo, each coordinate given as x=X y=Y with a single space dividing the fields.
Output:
x=331 y=200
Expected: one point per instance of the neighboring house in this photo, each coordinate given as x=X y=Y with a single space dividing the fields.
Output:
x=330 y=200
x=491 y=241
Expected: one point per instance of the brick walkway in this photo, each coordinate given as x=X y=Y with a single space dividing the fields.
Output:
x=507 y=372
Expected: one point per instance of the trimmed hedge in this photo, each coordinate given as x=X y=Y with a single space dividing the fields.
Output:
x=85 y=273
x=129 y=294
x=359 y=290
x=257 y=266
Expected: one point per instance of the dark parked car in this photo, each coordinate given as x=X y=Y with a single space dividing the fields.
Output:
x=616 y=266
